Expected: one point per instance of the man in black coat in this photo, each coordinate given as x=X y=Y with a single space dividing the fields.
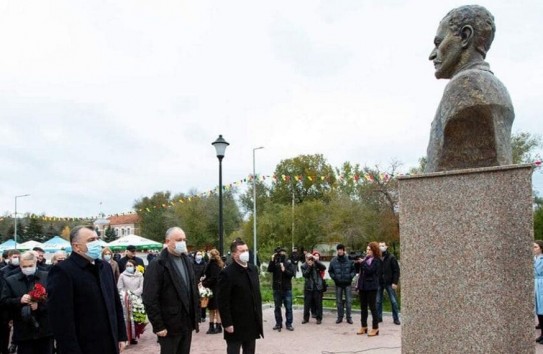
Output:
x=240 y=302
x=84 y=306
x=11 y=268
x=129 y=254
x=389 y=282
x=283 y=270
x=342 y=272
x=31 y=330
x=170 y=295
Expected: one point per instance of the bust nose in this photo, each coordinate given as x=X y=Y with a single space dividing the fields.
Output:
x=433 y=54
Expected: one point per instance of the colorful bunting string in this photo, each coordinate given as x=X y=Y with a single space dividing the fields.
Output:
x=357 y=178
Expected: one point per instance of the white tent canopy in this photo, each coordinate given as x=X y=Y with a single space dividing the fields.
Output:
x=28 y=245
x=55 y=244
x=134 y=240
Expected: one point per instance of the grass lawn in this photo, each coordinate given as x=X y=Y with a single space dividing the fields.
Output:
x=298 y=292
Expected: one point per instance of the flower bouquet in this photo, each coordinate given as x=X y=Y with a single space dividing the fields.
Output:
x=139 y=316
x=205 y=294
x=37 y=294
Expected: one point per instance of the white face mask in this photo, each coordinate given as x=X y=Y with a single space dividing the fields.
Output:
x=130 y=269
x=383 y=248
x=15 y=261
x=29 y=270
x=198 y=258
x=107 y=257
x=180 y=247
x=244 y=257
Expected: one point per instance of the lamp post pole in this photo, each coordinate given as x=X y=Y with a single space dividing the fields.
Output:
x=15 y=218
x=254 y=204
x=220 y=147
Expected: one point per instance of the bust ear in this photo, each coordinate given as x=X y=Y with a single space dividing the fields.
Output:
x=467 y=35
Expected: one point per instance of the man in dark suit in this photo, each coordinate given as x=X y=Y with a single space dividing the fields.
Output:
x=85 y=310
x=170 y=295
x=240 y=302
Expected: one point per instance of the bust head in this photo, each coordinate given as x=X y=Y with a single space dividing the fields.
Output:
x=463 y=37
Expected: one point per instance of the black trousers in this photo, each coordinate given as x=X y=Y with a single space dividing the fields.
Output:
x=313 y=299
x=175 y=344
x=4 y=334
x=368 y=298
x=233 y=347
x=36 y=346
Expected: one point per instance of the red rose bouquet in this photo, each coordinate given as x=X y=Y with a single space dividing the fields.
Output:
x=38 y=294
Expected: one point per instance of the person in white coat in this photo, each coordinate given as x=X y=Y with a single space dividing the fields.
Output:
x=130 y=287
x=538 y=273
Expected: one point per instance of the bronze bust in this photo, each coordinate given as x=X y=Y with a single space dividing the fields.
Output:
x=472 y=125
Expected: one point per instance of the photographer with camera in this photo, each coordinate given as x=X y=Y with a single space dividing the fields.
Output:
x=283 y=270
x=313 y=287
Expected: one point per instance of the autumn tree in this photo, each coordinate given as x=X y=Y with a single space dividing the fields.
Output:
x=65 y=234
x=305 y=177
x=523 y=146
x=153 y=212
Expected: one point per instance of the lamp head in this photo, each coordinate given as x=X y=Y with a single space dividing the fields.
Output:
x=220 y=146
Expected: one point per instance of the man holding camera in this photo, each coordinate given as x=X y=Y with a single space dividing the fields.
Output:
x=283 y=270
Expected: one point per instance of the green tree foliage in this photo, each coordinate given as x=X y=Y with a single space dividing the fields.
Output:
x=274 y=228
x=367 y=203
x=523 y=145
x=153 y=213
x=5 y=222
x=538 y=218
x=262 y=197
x=34 y=231
x=317 y=178
x=348 y=179
x=51 y=230
x=109 y=234
x=197 y=215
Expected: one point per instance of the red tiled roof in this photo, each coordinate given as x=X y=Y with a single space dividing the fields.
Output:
x=124 y=219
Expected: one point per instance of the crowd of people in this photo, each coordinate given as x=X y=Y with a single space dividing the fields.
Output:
x=42 y=305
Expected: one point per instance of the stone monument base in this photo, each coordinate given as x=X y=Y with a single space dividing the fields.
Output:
x=467 y=266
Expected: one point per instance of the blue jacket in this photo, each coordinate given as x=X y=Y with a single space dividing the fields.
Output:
x=538 y=273
x=341 y=270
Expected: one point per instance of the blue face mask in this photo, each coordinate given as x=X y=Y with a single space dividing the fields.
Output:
x=94 y=249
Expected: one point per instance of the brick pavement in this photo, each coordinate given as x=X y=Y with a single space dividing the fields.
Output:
x=310 y=338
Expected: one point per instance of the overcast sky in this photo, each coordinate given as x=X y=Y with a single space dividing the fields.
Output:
x=110 y=101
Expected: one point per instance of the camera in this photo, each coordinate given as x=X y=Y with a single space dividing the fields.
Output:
x=355 y=255
x=280 y=258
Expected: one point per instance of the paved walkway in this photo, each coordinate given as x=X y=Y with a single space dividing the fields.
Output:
x=309 y=338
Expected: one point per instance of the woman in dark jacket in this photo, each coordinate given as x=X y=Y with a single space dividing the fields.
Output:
x=211 y=281
x=368 y=283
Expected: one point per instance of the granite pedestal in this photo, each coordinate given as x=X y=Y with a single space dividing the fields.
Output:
x=467 y=266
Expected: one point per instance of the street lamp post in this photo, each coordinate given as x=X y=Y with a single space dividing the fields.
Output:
x=254 y=204
x=220 y=147
x=15 y=218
